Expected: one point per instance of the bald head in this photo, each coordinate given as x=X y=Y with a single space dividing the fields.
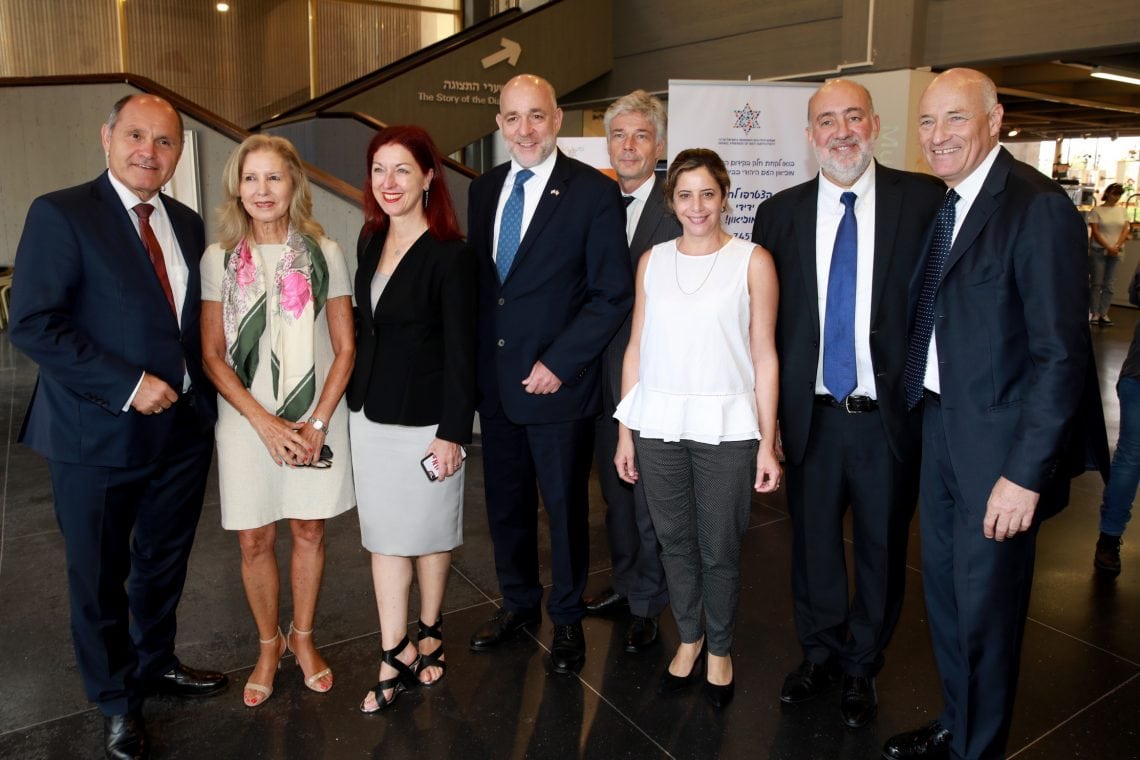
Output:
x=959 y=121
x=529 y=118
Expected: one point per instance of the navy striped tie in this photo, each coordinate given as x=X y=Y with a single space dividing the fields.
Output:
x=919 y=345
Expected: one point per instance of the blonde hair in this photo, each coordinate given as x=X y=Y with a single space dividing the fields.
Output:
x=234 y=221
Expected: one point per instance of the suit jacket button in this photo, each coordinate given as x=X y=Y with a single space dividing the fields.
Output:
x=502 y=301
x=502 y=343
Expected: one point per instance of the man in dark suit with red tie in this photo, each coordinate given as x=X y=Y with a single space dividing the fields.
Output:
x=554 y=286
x=635 y=133
x=845 y=245
x=999 y=356
x=106 y=301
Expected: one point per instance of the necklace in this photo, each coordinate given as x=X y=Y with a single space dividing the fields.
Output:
x=677 y=273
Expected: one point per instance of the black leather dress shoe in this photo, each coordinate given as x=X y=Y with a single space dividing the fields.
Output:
x=607 y=602
x=808 y=681
x=568 y=650
x=641 y=634
x=124 y=736
x=503 y=626
x=931 y=742
x=183 y=681
x=860 y=700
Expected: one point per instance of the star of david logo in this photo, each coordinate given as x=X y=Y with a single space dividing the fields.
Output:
x=747 y=119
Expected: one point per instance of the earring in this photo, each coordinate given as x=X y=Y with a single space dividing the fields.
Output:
x=425 y=197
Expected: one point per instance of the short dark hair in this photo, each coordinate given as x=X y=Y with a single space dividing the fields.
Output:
x=690 y=160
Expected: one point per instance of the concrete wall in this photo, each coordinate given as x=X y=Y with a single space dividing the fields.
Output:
x=51 y=141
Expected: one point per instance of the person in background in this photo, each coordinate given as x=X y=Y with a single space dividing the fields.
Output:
x=698 y=411
x=412 y=396
x=277 y=342
x=847 y=240
x=635 y=134
x=1109 y=228
x=1116 y=506
x=106 y=302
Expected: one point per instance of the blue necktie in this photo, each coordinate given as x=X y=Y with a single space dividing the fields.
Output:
x=919 y=345
x=510 y=226
x=839 y=316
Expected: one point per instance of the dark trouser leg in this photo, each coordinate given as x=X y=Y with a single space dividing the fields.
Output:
x=165 y=524
x=977 y=598
x=723 y=476
x=512 y=511
x=561 y=453
x=637 y=571
x=666 y=473
x=883 y=493
x=95 y=508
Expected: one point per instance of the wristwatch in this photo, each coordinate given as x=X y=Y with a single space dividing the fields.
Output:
x=319 y=424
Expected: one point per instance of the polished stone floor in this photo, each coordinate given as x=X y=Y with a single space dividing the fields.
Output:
x=1080 y=677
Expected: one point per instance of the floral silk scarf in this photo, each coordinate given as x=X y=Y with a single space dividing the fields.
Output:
x=300 y=287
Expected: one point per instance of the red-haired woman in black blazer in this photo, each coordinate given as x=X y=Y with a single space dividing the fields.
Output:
x=412 y=396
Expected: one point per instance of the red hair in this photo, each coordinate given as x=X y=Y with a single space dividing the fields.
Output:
x=440 y=213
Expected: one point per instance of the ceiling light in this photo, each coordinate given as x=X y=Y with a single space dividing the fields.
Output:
x=222 y=7
x=1012 y=133
x=1102 y=73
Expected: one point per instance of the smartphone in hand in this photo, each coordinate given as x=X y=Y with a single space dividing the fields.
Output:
x=431 y=466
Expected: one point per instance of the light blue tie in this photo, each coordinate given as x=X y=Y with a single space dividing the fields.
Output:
x=839 y=373
x=510 y=226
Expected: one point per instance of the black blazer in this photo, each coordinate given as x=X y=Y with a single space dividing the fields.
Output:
x=415 y=353
x=905 y=205
x=655 y=225
x=88 y=308
x=568 y=290
x=1020 y=397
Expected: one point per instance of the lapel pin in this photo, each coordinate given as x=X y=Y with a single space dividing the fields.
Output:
x=555 y=192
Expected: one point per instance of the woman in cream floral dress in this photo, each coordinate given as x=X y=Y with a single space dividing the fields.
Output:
x=277 y=338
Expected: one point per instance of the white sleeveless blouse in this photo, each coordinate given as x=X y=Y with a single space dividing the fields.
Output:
x=696 y=379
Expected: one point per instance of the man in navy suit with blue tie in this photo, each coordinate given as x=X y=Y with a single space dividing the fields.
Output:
x=106 y=301
x=555 y=285
x=845 y=245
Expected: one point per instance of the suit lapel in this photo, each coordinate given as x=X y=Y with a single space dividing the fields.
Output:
x=888 y=204
x=980 y=212
x=123 y=237
x=364 y=274
x=805 y=230
x=185 y=238
x=648 y=221
x=547 y=204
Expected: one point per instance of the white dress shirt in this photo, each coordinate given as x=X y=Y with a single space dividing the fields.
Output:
x=533 y=190
x=967 y=190
x=177 y=272
x=828 y=215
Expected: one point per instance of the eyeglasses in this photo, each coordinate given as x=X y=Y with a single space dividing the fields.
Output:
x=325 y=461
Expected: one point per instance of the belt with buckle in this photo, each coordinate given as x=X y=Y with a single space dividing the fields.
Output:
x=851 y=404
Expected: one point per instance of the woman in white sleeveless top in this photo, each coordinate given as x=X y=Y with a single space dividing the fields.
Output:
x=699 y=386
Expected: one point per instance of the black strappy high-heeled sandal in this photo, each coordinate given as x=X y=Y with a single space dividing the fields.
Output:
x=432 y=660
x=404 y=679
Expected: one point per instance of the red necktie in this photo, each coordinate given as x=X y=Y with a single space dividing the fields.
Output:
x=154 y=250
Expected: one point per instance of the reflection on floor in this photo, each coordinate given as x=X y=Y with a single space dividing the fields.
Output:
x=1080 y=675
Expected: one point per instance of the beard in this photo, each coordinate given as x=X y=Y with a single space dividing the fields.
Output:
x=843 y=172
